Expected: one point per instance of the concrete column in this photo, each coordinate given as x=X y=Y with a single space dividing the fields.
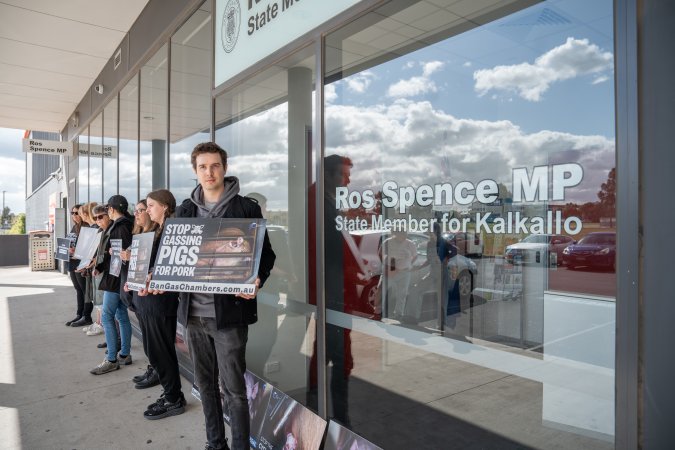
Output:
x=158 y=164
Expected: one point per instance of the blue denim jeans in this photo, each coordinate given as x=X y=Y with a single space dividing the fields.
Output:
x=221 y=353
x=114 y=308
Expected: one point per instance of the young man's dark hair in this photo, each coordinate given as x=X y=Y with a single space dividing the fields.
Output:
x=207 y=147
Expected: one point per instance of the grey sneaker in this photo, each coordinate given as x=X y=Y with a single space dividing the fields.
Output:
x=124 y=360
x=105 y=367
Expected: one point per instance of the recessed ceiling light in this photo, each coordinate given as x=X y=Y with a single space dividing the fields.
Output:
x=148 y=118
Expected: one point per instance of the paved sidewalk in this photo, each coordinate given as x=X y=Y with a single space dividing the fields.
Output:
x=48 y=398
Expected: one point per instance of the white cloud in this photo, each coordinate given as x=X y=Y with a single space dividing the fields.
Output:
x=574 y=58
x=416 y=85
x=360 y=82
x=12 y=169
x=408 y=141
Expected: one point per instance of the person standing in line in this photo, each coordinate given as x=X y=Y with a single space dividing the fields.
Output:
x=85 y=214
x=142 y=224
x=217 y=324
x=113 y=307
x=79 y=283
x=157 y=316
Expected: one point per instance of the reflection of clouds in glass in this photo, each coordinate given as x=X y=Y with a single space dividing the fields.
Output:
x=413 y=143
x=576 y=57
x=329 y=93
x=416 y=85
x=360 y=82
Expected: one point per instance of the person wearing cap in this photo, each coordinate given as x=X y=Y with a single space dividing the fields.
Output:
x=113 y=307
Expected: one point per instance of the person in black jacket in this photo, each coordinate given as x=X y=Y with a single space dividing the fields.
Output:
x=113 y=307
x=157 y=316
x=79 y=283
x=217 y=325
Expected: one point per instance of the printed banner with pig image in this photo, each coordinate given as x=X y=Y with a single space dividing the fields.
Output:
x=216 y=256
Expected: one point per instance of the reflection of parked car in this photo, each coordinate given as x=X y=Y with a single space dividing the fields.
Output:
x=536 y=247
x=461 y=270
x=467 y=243
x=593 y=250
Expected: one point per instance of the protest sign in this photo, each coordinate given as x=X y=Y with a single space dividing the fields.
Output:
x=211 y=255
x=116 y=257
x=139 y=260
x=87 y=243
x=62 y=249
x=288 y=424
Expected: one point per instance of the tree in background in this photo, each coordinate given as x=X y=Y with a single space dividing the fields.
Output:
x=607 y=196
x=7 y=218
x=19 y=225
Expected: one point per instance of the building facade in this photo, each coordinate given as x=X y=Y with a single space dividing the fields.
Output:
x=466 y=199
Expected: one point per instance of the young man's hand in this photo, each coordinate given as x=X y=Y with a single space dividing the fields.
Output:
x=251 y=296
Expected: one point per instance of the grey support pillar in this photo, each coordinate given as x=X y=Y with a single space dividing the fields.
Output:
x=158 y=165
x=656 y=187
x=299 y=138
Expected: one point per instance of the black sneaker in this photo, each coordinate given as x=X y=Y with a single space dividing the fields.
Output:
x=210 y=447
x=146 y=374
x=165 y=409
x=150 y=381
x=160 y=400
x=74 y=320
x=82 y=322
x=102 y=345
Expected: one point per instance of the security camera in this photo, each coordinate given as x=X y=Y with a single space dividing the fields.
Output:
x=99 y=88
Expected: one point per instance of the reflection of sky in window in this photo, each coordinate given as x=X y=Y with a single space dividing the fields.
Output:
x=182 y=178
x=532 y=88
x=257 y=150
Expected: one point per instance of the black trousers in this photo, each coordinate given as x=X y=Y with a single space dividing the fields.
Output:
x=159 y=338
x=80 y=285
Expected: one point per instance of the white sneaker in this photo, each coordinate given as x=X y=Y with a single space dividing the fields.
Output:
x=87 y=328
x=95 y=330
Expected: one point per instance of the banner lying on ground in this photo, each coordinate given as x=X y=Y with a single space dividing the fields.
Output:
x=139 y=260
x=217 y=256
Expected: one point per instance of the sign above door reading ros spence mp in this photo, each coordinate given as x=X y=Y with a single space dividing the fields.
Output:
x=249 y=30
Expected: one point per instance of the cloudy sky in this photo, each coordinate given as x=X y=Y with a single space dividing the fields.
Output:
x=12 y=169
x=534 y=88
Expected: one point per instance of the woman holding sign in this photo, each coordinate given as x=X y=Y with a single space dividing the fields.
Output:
x=79 y=283
x=157 y=314
x=113 y=307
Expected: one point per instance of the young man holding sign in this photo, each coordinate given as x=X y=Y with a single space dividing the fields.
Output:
x=217 y=324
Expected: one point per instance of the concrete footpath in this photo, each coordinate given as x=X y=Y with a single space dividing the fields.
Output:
x=48 y=398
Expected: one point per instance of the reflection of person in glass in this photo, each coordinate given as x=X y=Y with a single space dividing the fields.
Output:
x=337 y=170
x=398 y=255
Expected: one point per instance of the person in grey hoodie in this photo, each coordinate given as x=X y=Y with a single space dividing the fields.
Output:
x=217 y=324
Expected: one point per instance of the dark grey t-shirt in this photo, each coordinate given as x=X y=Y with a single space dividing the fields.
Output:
x=201 y=305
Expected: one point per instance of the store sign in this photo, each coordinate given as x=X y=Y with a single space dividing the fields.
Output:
x=44 y=147
x=529 y=186
x=96 y=151
x=249 y=30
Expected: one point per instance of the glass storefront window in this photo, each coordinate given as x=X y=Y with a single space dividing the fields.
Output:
x=128 y=141
x=265 y=126
x=110 y=149
x=83 y=167
x=96 y=160
x=470 y=223
x=190 y=98
x=153 y=113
